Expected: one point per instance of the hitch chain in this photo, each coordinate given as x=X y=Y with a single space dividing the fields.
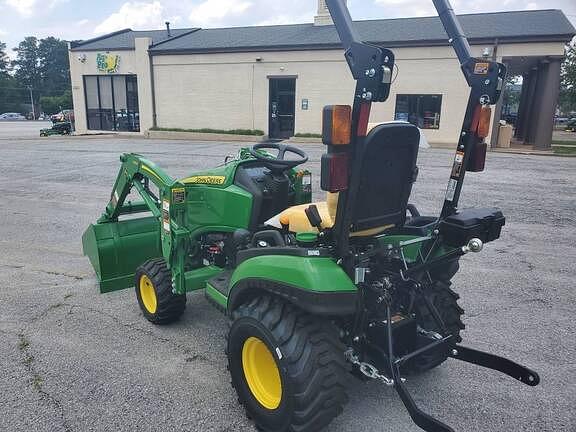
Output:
x=368 y=369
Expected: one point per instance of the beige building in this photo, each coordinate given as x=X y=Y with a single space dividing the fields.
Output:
x=277 y=78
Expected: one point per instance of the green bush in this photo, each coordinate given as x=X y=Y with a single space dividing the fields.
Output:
x=214 y=131
x=308 y=135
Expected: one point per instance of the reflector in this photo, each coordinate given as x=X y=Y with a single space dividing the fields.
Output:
x=477 y=160
x=484 y=122
x=334 y=175
x=481 y=121
x=336 y=124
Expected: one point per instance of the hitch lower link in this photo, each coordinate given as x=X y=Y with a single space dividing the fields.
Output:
x=469 y=355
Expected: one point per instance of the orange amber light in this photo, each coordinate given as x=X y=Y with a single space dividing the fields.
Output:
x=484 y=119
x=337 y=125
x=341 y=125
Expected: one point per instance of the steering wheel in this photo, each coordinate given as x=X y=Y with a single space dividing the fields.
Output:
x=278 y=163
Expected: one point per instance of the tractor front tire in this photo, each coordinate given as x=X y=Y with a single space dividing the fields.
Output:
x=288 y=367
x=445 y=300
x=154 y=293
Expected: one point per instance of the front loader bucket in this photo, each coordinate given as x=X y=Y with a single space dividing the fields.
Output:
x=116 y=249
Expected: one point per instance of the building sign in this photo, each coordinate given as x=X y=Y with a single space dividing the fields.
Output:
x=107 y=63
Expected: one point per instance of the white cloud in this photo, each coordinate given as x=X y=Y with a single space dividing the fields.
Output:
x=406 y=7
x=53 y=3
x=3 y=32
x=134 y=14
x=286 y=19
x=211 y=12
x=23 y=7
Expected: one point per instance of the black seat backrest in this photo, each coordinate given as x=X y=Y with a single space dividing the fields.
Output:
x=389 y=169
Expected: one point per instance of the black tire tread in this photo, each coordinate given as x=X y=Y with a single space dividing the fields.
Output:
x=170 y=306
x=445 y=299
x=314 y=357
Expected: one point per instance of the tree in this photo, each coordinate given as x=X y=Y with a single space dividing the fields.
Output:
x=4 y=61
x=27 y=64
x=511 y=95
x=568 y=86
x=11 y=96
x=43 y=66
x=54 y=67
x=54 y=104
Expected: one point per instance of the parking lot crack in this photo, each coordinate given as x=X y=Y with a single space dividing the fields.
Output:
x=36 y=379
x=189 y=356
x=48 y=272
x=56 y=273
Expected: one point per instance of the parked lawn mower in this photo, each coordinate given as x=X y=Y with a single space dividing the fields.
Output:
x=358 y=284
x=58 y=128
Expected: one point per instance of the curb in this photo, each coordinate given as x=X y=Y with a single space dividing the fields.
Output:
x=197 y=136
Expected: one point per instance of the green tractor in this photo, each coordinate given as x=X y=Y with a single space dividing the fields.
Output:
x=357 y=285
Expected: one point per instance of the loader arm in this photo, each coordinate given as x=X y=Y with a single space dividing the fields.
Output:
x=162 y=234
x=136 y=172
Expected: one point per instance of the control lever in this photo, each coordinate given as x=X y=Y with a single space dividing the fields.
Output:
x=314 y=217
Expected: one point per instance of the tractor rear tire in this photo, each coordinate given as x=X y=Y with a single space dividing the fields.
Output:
x=154 y=293
x=446 y=302
x=287 y=367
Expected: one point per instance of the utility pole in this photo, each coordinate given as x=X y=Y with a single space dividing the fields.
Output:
x=32 y=102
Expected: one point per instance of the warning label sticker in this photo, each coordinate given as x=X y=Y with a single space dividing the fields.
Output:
x=451 y=190
x=457 y=167
x=481 y=68
x=115 y=198
x=166 y=215
x=178 y=195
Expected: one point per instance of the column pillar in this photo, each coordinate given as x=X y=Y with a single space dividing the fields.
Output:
x=550 y=89
x=519 y=127
x=534 y=105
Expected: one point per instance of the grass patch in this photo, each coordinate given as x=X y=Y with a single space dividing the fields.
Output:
x=256 y=132
x=567 y=143
x=565 y=151
x=23 y=343
x=28 y=359
x=37 y=382
x=308 y=135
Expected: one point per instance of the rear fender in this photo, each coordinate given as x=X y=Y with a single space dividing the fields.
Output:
x=315 y=284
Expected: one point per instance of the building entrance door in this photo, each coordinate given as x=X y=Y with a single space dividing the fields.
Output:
x=282 y=109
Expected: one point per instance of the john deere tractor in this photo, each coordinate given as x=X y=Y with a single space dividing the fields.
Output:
x=356 y=285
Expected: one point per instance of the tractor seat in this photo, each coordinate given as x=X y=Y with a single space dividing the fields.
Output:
x=295 y=217
x=387 y=171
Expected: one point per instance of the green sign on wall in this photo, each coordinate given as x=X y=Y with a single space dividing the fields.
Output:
x=107 y=63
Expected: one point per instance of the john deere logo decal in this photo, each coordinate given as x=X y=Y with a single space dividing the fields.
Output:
x=209 y=180
x=107 y=63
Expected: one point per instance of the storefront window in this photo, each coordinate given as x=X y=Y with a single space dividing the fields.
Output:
x=112 y=103
x=420 y=110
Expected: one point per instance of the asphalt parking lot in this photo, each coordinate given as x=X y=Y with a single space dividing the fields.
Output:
x=74 y=360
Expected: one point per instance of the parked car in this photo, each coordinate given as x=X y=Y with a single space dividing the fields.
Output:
x=571 y=125
x=12 y=116
x=64 y=115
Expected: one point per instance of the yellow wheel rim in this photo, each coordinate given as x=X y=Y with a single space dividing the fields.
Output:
x=148 y=294
x=261 y=372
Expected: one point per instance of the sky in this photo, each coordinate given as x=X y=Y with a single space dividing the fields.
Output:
x=77 y=19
